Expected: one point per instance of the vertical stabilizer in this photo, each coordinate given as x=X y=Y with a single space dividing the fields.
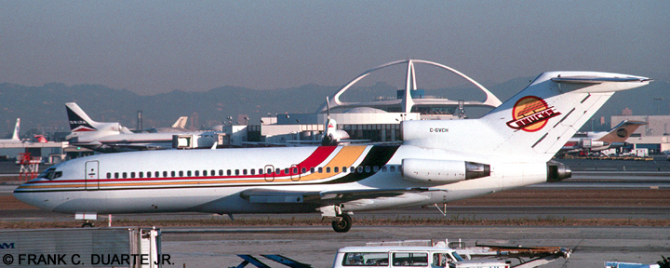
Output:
x=181 y=122
x=544 y=116
x=622 y=131
x=79 y=120
x=15 y=136
x=535 y=123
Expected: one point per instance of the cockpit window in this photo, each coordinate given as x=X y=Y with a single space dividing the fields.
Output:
x=50 y=174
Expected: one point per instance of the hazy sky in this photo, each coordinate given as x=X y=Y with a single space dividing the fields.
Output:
x=158 y=46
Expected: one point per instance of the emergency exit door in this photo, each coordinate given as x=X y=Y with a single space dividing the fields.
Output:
x=92 y=180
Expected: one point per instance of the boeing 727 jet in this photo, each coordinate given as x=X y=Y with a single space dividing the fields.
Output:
x=438 y=162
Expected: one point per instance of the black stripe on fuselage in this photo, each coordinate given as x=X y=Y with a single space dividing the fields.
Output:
x=378 y=156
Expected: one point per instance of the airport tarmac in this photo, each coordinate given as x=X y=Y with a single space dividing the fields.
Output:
x=216 y=247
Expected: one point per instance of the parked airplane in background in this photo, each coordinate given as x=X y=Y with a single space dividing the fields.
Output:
x=112 y=137
x=40 y=138
x=15 y=137
x=178 y=126
x=598 y=141
x=439 y=161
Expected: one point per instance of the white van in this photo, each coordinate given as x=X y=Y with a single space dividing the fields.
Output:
x=407 y=257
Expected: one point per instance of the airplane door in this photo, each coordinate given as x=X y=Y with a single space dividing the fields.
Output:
x=269 y=173
x=92 y=180
x=295 y=172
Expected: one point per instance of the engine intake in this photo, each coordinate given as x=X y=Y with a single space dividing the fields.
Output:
x=557 y=171
x=442 y=171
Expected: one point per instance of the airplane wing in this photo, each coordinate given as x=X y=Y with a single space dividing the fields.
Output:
x=135 y=146
x=267 y=196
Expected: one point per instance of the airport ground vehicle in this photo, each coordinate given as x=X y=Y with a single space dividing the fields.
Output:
x=408 y=257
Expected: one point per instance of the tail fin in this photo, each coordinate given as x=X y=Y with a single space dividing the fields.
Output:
x=332 y=135
x=622 y=131
x=15 y=136
x=535 y=123
x=181 y=122
x=40 y=138
x=79 y=120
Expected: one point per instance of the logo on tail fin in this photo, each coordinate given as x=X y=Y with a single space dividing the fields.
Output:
x=531 y=114
x=78 y=124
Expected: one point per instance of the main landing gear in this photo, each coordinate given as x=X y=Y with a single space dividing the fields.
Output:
x=342 y=224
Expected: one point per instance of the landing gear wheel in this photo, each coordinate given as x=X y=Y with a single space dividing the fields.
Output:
x=343 y=225
x=87 y=224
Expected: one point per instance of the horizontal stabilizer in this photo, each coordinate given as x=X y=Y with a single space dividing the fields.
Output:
x=597 y=80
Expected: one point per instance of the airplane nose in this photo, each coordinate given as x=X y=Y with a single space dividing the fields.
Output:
x=31 y=198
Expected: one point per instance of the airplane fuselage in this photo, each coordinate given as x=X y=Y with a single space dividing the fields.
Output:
x=213 y=180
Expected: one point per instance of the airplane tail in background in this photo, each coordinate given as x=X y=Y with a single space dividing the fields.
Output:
x=622 y=131
x=181 y=122
x=535 y=123
x=79 y=120
x=82 y=125
x=15 y=136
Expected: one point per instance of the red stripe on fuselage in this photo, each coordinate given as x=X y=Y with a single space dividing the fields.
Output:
x=317 y=157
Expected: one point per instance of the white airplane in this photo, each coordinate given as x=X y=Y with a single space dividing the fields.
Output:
x=439 y=162
x=178 y=126
x=112 y=137
x=15 y=137
x=603 y=140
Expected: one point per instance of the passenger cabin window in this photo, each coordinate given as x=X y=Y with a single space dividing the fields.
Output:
x=344 y=169
x=173 y=174
x=220 y=172
x=116 y=175
x=253 y=171
x=410 y=259
x=311 y=169
x=157 y=174
x=352 y=169
x=141 y=174
x=392 y=169
x=295 y=170
x=366 y=259
x=125 y=175
x=181 y=173
x=384 y=169
x=269 y=171
x=148 y=174
x=188 y=173
x=336 y=169
x=197 y=173
x=132 y=175
x=327 y=169
x=260 y=171
x=360 y=169
x=286 y=171
x=375 y=168
x=367 y=169
x=304 y=170
x=229 y=172
x=237 y=172
x=244 y=171
x=320 y=170
x=109 y=175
